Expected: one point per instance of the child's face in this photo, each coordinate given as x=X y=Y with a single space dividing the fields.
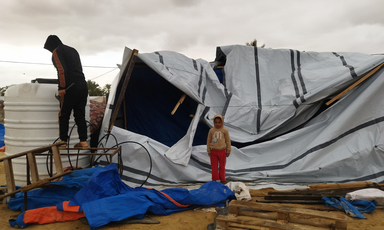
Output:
x=218 y=123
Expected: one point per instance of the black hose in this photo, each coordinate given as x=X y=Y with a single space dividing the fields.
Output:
x=119 y=160
x=149 y=155
x=69 y=158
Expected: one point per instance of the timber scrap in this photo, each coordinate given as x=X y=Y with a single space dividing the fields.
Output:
x=315 y=192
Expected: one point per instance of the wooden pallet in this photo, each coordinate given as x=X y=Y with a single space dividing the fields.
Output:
x=245 y=215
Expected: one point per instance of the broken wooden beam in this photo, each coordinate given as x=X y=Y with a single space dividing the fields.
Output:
x=355 y=84
x=181 y=100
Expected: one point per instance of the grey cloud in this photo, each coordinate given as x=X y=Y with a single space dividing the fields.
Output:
x=186 y=3
x=192 y=27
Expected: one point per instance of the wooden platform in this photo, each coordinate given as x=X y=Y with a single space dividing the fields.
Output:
x=246 y=215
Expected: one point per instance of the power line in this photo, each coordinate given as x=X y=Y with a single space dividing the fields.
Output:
x=103 y=74
x=36 y=63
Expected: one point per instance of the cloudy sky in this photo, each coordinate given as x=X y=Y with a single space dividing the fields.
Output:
x=100 y=29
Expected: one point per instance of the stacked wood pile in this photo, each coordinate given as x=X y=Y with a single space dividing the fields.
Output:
x=315 y=192
x=264 y=215
x=245 y=215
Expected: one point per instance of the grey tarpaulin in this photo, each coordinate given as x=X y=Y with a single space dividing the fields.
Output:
x=273 y=103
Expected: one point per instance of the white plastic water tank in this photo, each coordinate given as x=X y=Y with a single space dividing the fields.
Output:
x=31 y=121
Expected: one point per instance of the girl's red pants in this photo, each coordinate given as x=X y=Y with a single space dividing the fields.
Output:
x=218 y=160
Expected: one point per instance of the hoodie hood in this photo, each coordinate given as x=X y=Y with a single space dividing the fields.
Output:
x=221 y=117
x=52 y=43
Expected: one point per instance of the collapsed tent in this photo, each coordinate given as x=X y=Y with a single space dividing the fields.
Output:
x=274 y=103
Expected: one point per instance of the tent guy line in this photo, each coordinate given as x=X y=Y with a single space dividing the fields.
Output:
x=50 y=64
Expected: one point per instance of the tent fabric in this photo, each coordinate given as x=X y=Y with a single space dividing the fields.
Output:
x=274 y=104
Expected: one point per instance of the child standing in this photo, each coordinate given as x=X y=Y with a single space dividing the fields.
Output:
x=218 y=148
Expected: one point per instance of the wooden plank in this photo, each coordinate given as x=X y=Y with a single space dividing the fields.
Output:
x=295 y=197
x=9 y=194
x=10 y=178
x=233 y=209
x=287 y=209
x=343 y=185
x=262 y=215
x=43 y=182
x=329 y=224
x=127 y=76
x=57 y=159
x=125 y=114
x=34 y=185
x=323 y=192
x=181 y=100
x=33 y=167
x=59 y=175
x=37 y=150
x=292 y=201
x=355 y=84
x=282 y=217
x=223 y=222
x=236 y=226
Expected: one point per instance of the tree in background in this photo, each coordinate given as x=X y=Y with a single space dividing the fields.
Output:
x=2 y=90
x=254 y=43
x=106 y=89
x=94 y=89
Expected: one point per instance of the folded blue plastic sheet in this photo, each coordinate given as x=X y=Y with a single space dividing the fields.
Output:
x=105 y=198
x=364 y=206
x=105 y=182
x=349 y=208
x=46 y=197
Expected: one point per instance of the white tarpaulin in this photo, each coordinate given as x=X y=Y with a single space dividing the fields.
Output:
x=274 y=107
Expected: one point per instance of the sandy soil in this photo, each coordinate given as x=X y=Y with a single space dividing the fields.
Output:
x=187 y=220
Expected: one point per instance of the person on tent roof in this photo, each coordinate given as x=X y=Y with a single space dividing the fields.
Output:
x=73 y=89
x=218 y=148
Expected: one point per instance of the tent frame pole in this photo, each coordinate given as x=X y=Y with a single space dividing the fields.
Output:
x=128 y=72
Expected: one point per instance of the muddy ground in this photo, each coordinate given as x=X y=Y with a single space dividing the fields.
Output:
x=186 y=220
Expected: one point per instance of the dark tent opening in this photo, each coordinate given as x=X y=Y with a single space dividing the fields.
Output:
x=146 y=109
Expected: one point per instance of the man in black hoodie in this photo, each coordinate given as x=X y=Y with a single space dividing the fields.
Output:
x=73 y=89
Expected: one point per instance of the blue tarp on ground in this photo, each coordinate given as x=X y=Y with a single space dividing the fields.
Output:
x=105 y=198
x=47 y=197
x=362 y=206
x=2 y=135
